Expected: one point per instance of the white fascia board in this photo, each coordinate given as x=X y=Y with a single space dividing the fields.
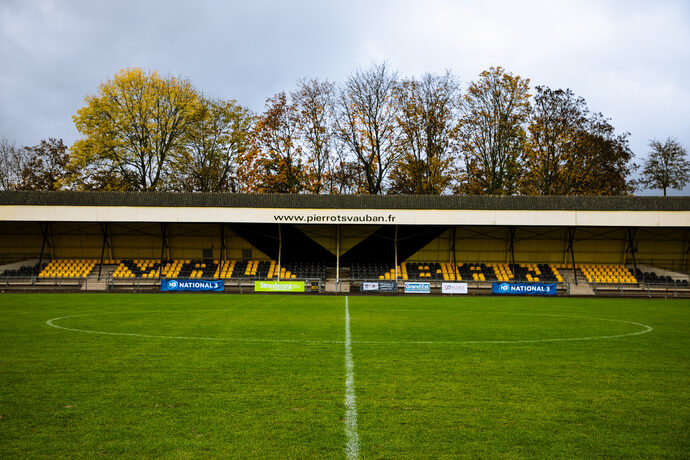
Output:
x=345 y=216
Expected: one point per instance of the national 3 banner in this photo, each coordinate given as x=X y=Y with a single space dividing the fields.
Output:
x=524 y=288
x=192 y=285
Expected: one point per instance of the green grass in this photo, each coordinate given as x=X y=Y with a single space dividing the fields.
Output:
x=264 y=377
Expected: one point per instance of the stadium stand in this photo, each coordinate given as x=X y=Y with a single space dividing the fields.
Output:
x=52 y=239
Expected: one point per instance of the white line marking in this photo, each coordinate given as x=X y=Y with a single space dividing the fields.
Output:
x=647 y=328
x=352 y=446
x=51 y=323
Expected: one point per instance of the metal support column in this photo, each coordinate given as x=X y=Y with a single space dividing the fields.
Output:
x=337 y=256
x=631 y=246
x=453 y=255
x=511 y=246
x=223 y=249
x=107 y=243
x=395 y=250
x=164 y=242
x=45 y=232
x=684 y=262
x=571 y=249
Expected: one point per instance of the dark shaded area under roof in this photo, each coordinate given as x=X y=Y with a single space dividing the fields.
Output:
x=236 y=200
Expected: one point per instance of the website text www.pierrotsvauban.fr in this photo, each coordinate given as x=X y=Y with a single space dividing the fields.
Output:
x=333 y=218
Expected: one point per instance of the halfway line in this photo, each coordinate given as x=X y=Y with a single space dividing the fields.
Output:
x=352 y=447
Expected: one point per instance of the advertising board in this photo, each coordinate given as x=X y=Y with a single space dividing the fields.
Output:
x=388 y=286
x=454 y=288
x=523 y=289
x=369 y=287
x=279 y=286
x=412 y=287
x=192 y=285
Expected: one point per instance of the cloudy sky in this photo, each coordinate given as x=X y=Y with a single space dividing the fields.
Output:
x=630 y=60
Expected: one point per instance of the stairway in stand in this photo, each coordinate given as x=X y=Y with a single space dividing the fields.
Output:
x=93 y=283
x=582 y=288
x=332 y=285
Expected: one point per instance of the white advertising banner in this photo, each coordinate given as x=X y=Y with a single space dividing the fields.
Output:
x=454 y=288
x=344 y=216
x=370 y=286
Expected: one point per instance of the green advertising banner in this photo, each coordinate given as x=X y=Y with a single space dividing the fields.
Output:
x=279 y=286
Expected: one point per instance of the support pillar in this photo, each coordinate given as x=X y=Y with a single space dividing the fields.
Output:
x=571 y=249
x=395 y=250
x=453 y=254
x=45 y=232
x=107 y=243
x=337 y=256
x=631 y=246
x=165 y=248
x=223 y=250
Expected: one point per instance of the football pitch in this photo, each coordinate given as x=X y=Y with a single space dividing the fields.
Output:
x=271 y=376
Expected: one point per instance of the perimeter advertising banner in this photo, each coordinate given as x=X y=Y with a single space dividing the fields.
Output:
x=192 y=285
x=524 y=288
x=454 y=288
x=388 y=286
x=369 y=287
x=279 y=286
x=417 y=288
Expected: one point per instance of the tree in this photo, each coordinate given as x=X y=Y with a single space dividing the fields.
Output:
x=130 y=128
x=573 y=151
x=207 y=157
x=427 y=119
x=366 y=124
x=491 y=132
x=666 y=167
x=313 y=102
x=604 y=158
x=551 y=160
x=46 y=167
x=12 y=161
x=274 y=162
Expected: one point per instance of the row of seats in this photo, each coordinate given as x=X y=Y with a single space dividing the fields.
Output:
x=301 y=270
x=446 y=271
x=25 y=270
x=653 y=278
x=227 y=269
x=68 y=268
x=607 y=274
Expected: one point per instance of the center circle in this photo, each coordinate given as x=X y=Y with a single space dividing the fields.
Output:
x=223 y=327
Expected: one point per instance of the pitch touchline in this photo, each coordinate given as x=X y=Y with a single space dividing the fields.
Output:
x=352 y=446
x=647 y=328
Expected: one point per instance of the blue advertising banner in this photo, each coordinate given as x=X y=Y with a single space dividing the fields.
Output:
x=192 y=285
x=388 y=286
x=524 y=288
x=417 y=288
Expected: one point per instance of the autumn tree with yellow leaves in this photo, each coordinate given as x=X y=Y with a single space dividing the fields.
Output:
x=374 y=134
x=495 y=110
x=428 y=117
x=131 y=127
x=274 y=163
x=208 y=155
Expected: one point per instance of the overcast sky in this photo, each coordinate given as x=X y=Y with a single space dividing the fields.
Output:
x=630 y=60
